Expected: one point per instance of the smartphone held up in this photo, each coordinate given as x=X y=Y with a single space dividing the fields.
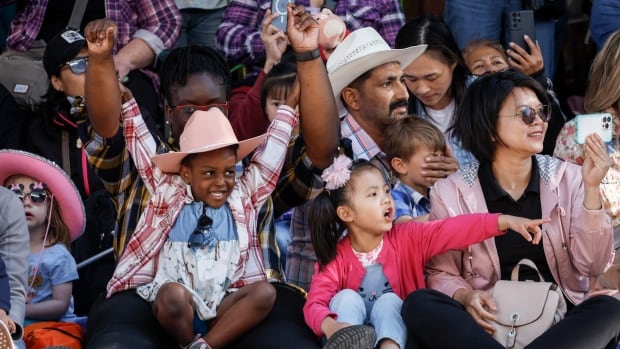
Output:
x=279 y=7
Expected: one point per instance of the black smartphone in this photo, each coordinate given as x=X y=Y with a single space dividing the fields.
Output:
x=522 y=23
x=279 y=6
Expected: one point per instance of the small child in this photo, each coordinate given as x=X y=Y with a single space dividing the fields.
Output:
x=407 y=142
x=55 y=216
x=7 y=325
x=361 y=278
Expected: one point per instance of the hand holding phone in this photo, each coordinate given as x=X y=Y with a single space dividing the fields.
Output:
x=522 y=23
x=279 y=7
x=600 y=123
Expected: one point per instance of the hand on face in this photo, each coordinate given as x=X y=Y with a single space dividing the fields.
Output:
x=302 y=29
x=528 y=63
x=100 y=36
x=436 y=167
x=597 y=161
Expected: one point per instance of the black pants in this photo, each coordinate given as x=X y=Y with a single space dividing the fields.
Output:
x=436 y=321
x=126 y=321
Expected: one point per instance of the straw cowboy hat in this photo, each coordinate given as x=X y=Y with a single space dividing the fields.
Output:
x=70 y=205
x=205 y=131
x=362 y=50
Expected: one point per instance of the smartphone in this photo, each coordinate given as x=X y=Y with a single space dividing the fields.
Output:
x=522 y=23
x=587 y=124
x=279 y=6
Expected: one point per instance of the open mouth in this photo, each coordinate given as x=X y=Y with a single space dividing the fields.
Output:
x=388 y=213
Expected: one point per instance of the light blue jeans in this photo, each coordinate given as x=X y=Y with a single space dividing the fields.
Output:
x=384 y=315
x=199 y=27
x=490 y=20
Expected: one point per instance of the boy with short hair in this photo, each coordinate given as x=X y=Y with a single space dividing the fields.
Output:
x=407 y=142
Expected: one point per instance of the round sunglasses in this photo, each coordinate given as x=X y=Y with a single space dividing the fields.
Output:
x=37 y=196
x=528 y=114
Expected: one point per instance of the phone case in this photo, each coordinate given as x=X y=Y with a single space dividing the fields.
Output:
x=587 y=124
x=279 y=6
x=522 y=23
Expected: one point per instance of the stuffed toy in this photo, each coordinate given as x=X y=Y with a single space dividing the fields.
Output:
x=332 y=31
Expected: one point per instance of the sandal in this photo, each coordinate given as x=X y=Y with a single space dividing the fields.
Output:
x=352 y=337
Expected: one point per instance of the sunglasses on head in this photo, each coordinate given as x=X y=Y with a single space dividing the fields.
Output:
x=188 y=109
x=528 y=114
x=203 y=234
x=76 y=65
x=37 y=196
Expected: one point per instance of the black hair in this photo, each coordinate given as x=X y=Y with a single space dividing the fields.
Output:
x=476 y=119
x=431 y=30
x=281 y=78
x=182 y=62
x=326 y=228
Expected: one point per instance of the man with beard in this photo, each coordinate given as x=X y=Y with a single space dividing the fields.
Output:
x=368 y=84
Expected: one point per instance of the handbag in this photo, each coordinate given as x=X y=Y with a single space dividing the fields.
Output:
x=22 y=73
x=546 y=9
x=56 y=334
x=525 y=309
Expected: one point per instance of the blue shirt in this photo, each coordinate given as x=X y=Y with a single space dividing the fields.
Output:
x=409 y=202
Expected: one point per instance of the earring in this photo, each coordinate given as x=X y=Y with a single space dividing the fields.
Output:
x=168 y=132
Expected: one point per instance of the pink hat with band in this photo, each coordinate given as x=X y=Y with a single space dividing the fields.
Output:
x=70 y=205
x=205 y=131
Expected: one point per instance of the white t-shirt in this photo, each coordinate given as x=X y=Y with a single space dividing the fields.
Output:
x=442 y=118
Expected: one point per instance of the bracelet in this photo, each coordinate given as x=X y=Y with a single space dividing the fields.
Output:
x=308 y=55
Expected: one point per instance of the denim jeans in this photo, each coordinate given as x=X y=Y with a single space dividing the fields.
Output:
x=490 y=23
x=384 y=317
x=199 y=27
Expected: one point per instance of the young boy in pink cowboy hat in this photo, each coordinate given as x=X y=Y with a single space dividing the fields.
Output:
x=55 y=216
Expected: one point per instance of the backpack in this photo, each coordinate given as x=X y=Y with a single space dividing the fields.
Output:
x=45 y=334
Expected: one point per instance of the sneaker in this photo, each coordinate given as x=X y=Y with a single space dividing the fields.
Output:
x=352 y=337
x=6 y=342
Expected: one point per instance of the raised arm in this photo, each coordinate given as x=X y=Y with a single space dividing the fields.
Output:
x=319 y=124
x=102 y=93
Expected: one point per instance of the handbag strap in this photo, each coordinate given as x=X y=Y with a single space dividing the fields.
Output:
x=77 y=14
x=527 y=262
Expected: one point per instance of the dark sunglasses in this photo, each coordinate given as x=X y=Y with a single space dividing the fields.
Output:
x=77 y=65
x=528 y=114
x=37 y=196
x=188 y=109
x=203 y=235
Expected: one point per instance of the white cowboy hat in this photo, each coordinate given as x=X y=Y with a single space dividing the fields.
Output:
x=205 y=131
x=362 y=50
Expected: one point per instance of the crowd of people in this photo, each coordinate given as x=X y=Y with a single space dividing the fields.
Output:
x=360 y=182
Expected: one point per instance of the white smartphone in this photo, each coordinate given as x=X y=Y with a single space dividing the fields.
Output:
x=279 y=7
x=587 y=124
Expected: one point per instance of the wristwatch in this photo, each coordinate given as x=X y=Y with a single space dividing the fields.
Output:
x=308 y=55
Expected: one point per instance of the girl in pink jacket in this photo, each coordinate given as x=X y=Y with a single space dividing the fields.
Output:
x=360 y=279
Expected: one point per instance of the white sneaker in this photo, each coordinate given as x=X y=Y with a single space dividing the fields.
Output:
x=6 y=342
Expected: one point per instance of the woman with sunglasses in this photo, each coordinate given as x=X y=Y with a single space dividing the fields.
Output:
x=502 y=120
x=55 y=216
x=53 y=130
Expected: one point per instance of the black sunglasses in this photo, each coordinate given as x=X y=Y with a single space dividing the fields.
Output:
x=528 y=114
x=188 y=109
x=37 y=196
x=76 y=65
x=203 y=235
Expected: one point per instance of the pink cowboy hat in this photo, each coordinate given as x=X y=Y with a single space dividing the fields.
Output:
x=16 y=162
x=205 y=131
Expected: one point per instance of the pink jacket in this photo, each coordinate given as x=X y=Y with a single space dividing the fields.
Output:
x=406 y=248
x=577 y=242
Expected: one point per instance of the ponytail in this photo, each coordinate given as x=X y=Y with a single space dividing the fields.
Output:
x=325 y=228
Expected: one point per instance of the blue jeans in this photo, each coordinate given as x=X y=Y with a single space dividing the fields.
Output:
x=604 y=20
x=384 y=317
x=490 y=23
x=283 y=237
x=199 y=27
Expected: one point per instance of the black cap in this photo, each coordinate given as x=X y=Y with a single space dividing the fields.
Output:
x=62 y=48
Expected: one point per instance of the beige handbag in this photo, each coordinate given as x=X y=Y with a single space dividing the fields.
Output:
x=525 y=309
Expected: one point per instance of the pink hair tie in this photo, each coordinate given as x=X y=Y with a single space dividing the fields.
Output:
x=338 y=173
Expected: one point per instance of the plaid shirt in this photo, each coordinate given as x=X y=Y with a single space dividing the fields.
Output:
x=408 y=202
x=238 y=36
x=137 y=266
x=301 y=258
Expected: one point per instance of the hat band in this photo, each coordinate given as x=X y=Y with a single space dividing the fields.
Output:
x=353 y=54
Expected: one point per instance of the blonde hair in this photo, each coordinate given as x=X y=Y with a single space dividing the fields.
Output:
x=603 y=89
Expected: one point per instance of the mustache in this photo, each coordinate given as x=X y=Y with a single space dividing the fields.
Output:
x=399 y=103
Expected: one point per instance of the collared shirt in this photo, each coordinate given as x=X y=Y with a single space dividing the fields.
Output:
x=137 y=265
x=512 y=247
x=408 y=202
x=301 y=258
x=238 y=36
